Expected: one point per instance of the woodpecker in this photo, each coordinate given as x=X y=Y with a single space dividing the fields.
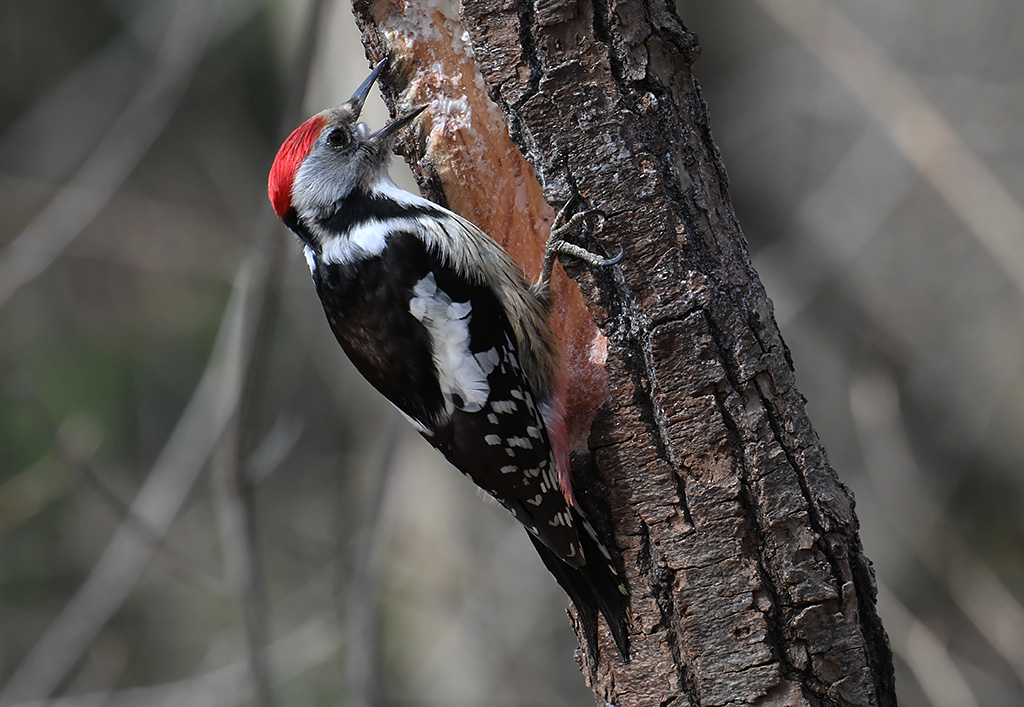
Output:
x=443 y=323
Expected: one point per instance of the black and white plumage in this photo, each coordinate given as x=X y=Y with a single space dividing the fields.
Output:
x=441 y=321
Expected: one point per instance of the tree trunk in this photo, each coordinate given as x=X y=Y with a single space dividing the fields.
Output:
x=748 y=581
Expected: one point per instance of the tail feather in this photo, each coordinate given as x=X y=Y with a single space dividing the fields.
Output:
x=596 y=586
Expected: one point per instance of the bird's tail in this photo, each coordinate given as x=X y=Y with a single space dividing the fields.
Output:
x=596 y=586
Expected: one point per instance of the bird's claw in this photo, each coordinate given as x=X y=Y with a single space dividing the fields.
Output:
x=557 y=245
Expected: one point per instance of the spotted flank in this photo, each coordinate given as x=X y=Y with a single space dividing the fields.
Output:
x=458 y=378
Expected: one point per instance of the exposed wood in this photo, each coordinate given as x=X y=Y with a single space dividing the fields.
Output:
x=465 y=142
x=749 y=584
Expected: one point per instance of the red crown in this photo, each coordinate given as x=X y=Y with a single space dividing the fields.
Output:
x=286 y=164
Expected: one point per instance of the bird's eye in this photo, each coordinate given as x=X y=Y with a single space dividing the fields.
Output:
x=337 y=138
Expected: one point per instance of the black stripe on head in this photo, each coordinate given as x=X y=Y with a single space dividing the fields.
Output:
x=360 y=207
x=292 y=221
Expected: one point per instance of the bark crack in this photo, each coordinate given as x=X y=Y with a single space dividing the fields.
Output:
x=524 y=11
x=775 y=616
x=776 y=620
x=663 y=588
x=630 y=327
x=517 y=127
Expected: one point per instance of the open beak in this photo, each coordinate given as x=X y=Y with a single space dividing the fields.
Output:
x=397 y=124
x=359 y=97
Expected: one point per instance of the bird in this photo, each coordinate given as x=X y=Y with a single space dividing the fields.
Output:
x=444 y=324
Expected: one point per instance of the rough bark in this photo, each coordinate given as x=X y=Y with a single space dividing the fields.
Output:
x=749 y=584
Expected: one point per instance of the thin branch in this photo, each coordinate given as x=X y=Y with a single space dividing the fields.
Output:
x=128 y=139
x=304 y=647
x=362 y=628
x=916 y=515
x=991 y=213
x=22 y=389
x=236 y=489
x=156 y=504
x=926 y=656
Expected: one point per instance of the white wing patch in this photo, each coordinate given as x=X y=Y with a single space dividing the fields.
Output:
x=461 y=373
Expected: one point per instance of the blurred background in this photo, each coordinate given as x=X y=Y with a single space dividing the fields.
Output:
x=189 y=466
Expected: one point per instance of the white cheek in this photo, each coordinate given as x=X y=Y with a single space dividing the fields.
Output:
x=322 y=179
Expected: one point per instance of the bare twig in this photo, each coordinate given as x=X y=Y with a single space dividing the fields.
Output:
x=933 y=667
x=307 y=645
x=991 y=213
x=196 y=572
x=916 y=515
x=362 y=630
x=236 y=489
x=117 y=154
x=156 y=504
